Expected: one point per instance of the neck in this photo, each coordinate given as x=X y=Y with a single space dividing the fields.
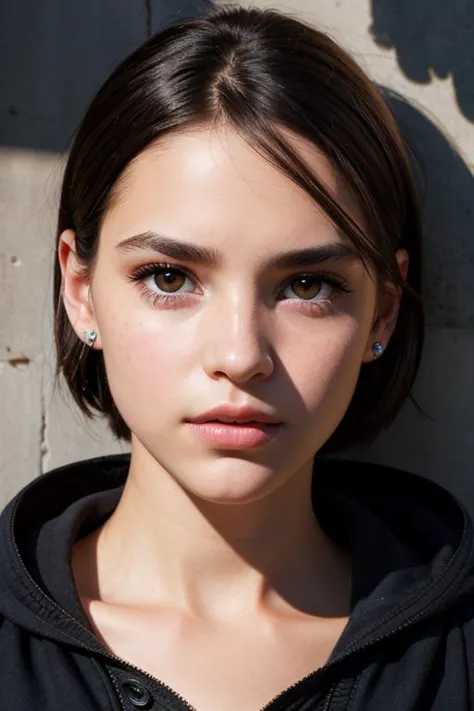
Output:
x=162 y=545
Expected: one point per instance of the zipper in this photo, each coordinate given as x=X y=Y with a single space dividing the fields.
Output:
x=80 y=626
x=327 y=703
x=124 y=662
x=343 y=656
x=424 y=610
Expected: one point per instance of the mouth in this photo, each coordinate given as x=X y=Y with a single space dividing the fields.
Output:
x=244 y=423
x=235 y=435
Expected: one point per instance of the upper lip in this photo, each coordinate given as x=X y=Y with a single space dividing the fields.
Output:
x=230 y=413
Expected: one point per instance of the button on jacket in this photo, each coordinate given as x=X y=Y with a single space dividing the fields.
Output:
x=408 y=645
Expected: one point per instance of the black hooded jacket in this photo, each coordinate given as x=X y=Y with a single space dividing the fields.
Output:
x=408 y=646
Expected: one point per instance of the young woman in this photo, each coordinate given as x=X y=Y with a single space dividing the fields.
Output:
x=237 y=291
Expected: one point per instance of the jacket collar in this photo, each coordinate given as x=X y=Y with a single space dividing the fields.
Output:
x=411 y=541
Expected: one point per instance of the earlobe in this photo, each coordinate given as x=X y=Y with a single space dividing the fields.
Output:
x=384 y=324
x=386 y=317
x=76 y=289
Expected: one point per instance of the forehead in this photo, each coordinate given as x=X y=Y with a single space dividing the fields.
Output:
x=204 y=184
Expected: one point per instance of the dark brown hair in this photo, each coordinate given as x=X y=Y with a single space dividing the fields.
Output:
x=256 y=70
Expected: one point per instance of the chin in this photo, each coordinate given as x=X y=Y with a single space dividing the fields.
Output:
x=246 y=484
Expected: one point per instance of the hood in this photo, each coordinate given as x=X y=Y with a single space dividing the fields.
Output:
x=411 y=541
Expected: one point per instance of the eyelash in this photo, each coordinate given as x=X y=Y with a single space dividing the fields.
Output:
x=336 y=282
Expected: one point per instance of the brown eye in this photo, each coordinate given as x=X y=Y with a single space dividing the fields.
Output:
x=306 y=287
x=169 y=280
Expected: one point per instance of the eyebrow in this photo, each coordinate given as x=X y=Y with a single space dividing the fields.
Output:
x=209 y=257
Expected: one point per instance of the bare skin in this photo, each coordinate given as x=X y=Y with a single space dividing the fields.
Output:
x=213 y=574
x=241 y=644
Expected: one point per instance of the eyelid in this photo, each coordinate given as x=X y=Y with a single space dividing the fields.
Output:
x=323 y=274
x=153 y=267
x=336 y=281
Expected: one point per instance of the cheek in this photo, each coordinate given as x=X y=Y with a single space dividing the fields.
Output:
x=325 y=383
x=326 y=369
x=146 y=358
x=153 y=361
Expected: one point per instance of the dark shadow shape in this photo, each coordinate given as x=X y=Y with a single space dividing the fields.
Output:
x=447 y=192
x=54 y=55
x=57 y=54
x=438 y=447
x=68 y=49
x=163 y=12
x=430 y=36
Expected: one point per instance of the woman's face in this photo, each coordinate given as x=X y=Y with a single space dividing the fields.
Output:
x=247 y=326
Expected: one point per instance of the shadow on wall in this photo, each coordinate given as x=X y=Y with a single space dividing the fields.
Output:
x=447 y=192
x=442 y=448
x=163 y=12
x=430 y=37
x=58 y=53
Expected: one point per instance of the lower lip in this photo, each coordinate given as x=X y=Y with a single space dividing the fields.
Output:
x=233 y=436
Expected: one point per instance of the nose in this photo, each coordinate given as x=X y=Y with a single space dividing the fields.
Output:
x=236 y=344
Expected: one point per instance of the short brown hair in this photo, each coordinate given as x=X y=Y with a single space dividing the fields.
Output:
x=256 y=70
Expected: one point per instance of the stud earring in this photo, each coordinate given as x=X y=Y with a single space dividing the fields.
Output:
x=377 y=349
x=91 y=337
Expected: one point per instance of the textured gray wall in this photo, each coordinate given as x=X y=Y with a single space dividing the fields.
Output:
x=54 y=55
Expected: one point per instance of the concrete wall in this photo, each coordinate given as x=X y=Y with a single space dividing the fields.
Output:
x=53 y=57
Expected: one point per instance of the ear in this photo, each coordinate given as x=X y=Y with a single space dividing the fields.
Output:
x=386 y=315
x=76 y=289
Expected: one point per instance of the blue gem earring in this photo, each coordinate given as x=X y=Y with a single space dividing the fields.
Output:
x=377 y=349
x=91 y=337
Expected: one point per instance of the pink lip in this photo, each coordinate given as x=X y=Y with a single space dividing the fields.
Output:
x=242 y=415
x=234 y=436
